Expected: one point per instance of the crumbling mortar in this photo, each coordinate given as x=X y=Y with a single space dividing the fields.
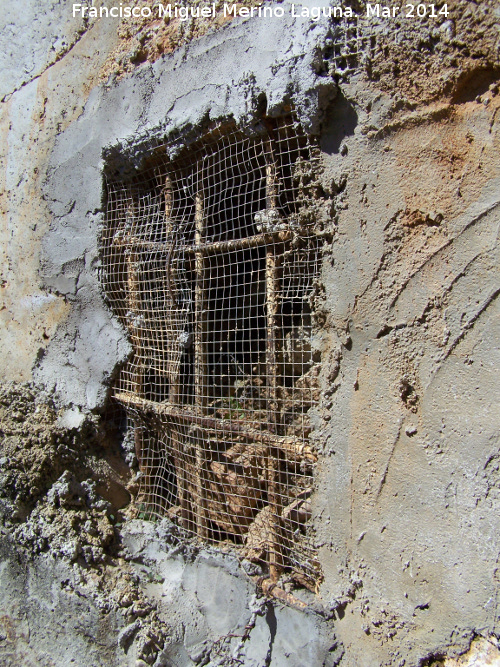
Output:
x=410 y=329
x=47 y=522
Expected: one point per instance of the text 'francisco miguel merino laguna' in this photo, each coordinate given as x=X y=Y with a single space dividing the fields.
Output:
x=184 y=13
x=208 y=11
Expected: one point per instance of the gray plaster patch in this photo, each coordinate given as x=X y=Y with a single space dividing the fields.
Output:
x=219 y=76
x=221 y=596
x=209 y=595
x=283 y=636
x=48 y=609
x=39 y=24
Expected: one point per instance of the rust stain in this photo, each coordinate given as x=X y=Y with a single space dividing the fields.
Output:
x=8 y=627
x=452 y=165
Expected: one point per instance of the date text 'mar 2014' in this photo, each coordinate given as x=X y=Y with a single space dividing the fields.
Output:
x=409 y=10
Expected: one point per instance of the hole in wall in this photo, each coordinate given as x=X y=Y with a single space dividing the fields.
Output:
x=473 y=83
x=212 y=266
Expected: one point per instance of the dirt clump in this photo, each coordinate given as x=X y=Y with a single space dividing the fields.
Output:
x=51 y=509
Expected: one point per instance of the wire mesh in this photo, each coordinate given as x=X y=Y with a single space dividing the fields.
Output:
x=212 y=269
x=349 y=47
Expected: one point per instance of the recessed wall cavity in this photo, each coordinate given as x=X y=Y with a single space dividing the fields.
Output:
x=211 y=260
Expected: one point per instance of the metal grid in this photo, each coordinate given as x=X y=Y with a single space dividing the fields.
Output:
x=211 y=265
x=350 y=43
x=349 y=48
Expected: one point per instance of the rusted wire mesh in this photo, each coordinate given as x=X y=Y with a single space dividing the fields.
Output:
x=211 y=263
x=349 y=47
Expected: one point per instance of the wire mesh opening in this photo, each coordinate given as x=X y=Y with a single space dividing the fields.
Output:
x=211 y=266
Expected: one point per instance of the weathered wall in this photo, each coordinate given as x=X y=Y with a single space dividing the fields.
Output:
x=406 y=502
x=407 y=498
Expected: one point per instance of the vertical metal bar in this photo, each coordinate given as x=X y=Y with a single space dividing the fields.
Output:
x=133 y=319
x=171 y=354
x=177 y=435
x=200 y=314
x=272 y=300
x=271 y=178
x=134 y=302
x=133 y=307
x=172 y=361
x=169 y=198
x=272 y=296
x=200 y=361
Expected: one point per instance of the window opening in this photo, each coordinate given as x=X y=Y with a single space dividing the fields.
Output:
x=211 y=262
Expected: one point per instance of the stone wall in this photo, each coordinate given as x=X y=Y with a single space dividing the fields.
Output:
x=405 y=509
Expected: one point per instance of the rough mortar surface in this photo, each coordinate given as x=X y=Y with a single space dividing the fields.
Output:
x=406 y=504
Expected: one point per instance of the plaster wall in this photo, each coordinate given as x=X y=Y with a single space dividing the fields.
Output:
x=406 y=505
